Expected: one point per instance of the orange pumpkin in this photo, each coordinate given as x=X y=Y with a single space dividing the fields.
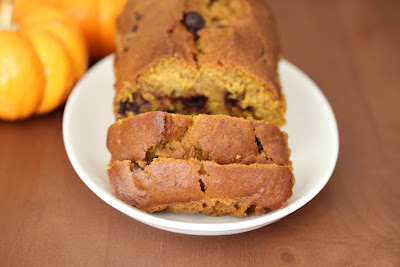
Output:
x=41 y=57
x=97 y=20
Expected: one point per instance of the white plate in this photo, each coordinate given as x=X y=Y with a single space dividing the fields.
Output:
x=313 y=139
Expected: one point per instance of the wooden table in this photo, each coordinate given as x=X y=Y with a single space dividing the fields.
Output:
x=351 y=49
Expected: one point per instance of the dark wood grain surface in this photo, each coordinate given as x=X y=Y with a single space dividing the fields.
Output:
x=351 y=48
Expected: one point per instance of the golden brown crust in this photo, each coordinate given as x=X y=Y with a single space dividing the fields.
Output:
x=239 y=42
x=250 y=42
x=156 y=20
x=218 y=138
x=213 y=164
x=190 y=186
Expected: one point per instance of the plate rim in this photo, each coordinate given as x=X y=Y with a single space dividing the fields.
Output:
x=205 y=228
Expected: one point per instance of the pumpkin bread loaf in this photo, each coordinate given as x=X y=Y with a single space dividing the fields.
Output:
x=198 y=56
x=213 y=164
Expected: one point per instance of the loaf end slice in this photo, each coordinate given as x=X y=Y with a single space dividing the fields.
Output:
x=213 y=164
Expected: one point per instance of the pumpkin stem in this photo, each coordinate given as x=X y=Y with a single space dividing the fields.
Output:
x=6 y=16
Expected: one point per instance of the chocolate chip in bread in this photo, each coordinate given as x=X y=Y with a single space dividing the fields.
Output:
x=190 y=57
x=213 y=164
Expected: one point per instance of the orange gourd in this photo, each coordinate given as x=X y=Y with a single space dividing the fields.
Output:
x=42 y=55
x=97 y=20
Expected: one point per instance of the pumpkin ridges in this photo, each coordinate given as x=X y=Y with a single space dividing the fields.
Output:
x=57 y=65
x=73 y=42
x=21 y=77
x=56 y=41
x=85 y=12
x=65 y=28
x=96 y=19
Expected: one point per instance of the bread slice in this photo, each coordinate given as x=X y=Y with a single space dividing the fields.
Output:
x=198 y=56
x=213 y=164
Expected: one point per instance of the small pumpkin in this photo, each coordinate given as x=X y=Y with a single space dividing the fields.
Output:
x=41 y=57
x=97 y=20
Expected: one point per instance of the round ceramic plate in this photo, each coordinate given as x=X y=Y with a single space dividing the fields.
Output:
x=313 y=140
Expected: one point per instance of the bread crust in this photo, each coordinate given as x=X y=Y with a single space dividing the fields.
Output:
x=213 y=164
x=188 y=186
x=239 y=36
x=251 y=38
x=219 y=138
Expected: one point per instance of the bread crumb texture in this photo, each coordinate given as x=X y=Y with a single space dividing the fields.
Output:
x=189 y=57
x=216 y=164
